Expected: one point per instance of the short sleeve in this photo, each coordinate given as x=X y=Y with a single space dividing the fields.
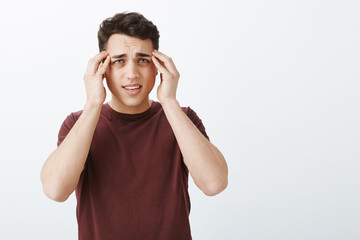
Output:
x=196 y=120
x=66 y=126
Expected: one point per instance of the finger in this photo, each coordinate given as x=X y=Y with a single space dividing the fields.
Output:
x=158 y=65
x=168 y=62
x=103 y=66
x=94 y=63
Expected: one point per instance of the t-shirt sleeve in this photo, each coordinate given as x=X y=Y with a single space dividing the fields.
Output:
x=196 y=120
x=66 y=127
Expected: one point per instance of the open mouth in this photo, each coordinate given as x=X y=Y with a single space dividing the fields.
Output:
x=132 y=89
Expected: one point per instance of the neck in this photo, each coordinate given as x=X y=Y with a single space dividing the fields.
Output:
x=129 y=109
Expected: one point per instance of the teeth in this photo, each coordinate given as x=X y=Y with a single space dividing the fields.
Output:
x=132 y=88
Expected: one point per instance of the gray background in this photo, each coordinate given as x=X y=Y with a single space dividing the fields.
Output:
x=275 y=82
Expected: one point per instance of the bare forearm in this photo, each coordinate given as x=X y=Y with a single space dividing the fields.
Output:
x=61 y=171
x=205 y=162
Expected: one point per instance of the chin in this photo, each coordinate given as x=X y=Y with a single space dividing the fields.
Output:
x=133 y=102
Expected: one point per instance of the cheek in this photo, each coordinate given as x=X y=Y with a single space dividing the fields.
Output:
x=113 y=73
x=109 y=69
x=152 y=75
x=111 y=77
x=109 y=83
x=154 y=69
x=149 y=78
x=108 y=73
x=148 y=72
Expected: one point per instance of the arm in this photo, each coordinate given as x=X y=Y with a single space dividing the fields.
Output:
x=205 y=162
x=61 y=171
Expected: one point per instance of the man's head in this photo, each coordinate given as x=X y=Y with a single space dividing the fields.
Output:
x=131 y=24
x=129 y=39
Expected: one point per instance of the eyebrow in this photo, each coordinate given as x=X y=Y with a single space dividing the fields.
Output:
x=138 y=54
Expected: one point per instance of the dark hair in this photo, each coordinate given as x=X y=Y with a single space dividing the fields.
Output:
x=132 y=24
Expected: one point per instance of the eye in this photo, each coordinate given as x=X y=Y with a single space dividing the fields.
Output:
x=143 y=60
x=119 y=61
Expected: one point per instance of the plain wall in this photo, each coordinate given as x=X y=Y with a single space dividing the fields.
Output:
x=276 y=84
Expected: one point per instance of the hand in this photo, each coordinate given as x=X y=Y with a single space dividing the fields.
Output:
x=169 y=77
x=94 y=76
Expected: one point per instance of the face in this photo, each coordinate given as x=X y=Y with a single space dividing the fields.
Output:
x=131 y=74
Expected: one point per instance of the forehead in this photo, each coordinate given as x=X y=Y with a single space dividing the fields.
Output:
x=120 y=43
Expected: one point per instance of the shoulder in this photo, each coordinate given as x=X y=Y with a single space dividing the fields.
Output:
x=190 y=112
x=72 y=117
x=197 y=121
x=186 y=110
x=76 y=115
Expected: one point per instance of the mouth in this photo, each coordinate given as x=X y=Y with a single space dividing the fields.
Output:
x=132 y=89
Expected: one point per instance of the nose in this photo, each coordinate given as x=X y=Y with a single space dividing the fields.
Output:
x=132 y=71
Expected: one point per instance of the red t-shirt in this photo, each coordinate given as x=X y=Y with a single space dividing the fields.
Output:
x=135 y=183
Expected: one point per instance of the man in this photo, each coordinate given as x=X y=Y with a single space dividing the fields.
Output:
x=129 y=159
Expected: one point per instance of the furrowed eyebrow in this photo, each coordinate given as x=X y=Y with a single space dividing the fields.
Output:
x=142 y=55
x=119 y=56
x=125 y=55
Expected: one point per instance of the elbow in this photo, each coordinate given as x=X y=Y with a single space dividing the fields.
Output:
x=53 y=191
x=56 y=196
x=215 y=187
